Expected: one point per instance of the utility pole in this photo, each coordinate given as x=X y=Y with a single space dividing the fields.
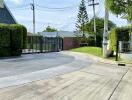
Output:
x=105 y=35
x=94 y=4
x=33 y=9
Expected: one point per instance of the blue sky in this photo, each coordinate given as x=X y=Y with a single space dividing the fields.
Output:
x=62 y=19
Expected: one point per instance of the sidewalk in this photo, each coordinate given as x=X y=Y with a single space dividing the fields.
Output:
x=97 y=82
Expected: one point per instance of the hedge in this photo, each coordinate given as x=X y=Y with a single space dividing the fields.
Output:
x=24 y=37
x=122 y=34
x=16 y=39
x=12 y=39
x=4 y=40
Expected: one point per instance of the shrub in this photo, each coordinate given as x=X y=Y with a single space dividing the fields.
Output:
x=99 y=40
x=16 y=39
x=91 y=41
x=120 y=34
x=24 y=37
x=12 y=39
x=4 y=40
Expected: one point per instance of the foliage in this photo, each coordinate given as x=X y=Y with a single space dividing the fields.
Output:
x=50 y=29
x=99 y=26
x=100 y=29
x=4 y=41
x=11 y=39
x=120 y=7
x=91 y=41
x=82 y=17
x=24 y=37
x=120 y=34
x=16 y=39
x=97 y=51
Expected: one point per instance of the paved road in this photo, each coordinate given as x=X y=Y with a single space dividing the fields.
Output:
x=97 y=82
x=86 y=80
x=31 y=63
x=30 y=68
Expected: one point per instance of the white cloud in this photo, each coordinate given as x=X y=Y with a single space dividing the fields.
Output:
x=17 y=2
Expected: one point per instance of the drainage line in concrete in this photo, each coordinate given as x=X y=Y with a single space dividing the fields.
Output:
x=117 y=85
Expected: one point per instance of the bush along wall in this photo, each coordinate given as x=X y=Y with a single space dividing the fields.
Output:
x=4 y=41
x=15 y=41
x=122 y=34
x=24 y=37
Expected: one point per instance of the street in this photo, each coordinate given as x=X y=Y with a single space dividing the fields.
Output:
x=77 y=80
x=30 y=68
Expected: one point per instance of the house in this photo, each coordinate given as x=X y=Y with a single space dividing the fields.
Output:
x=6 y=16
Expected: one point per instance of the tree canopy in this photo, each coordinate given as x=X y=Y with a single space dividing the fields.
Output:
x=50 y=29
x=120 y=7
x=99 y=26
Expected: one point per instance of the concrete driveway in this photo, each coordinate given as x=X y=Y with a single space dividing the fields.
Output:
x=86 y=81
x=34 y=67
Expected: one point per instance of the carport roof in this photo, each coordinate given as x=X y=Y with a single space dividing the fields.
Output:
x=58 y=33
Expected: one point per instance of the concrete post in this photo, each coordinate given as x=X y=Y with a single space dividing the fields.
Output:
x=105 y=35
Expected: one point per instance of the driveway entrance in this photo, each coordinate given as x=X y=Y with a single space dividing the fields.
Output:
x=86 y=81
x=34 y=67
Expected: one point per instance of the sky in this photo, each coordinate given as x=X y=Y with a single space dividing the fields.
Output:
x=64 y=19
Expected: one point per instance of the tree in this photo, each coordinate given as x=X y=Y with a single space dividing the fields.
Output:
x=120 y=7
x=50 y=29
x=82 y=18
x=100 y=28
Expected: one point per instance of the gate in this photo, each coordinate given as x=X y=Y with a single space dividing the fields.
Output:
x=125 y=50
x=40 y=44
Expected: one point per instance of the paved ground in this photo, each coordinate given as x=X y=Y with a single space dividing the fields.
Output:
x=31 y=63
x=30 y=68
x=93 y=82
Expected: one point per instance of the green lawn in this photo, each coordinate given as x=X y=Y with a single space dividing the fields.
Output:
x=90 y=50
x=96 y=51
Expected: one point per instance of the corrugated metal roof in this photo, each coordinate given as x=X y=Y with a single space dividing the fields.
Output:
x=63 y=34
x=58 y=33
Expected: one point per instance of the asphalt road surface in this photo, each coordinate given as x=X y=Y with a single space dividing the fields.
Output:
x=63 y=76
x=32 y=67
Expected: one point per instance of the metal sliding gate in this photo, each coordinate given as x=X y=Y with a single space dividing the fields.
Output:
x=40 y=44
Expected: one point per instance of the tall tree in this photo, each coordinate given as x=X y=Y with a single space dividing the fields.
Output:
x=82 y=18
x=120 y=7
x=100 y=28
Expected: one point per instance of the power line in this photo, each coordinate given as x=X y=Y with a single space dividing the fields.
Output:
x=47 y=8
